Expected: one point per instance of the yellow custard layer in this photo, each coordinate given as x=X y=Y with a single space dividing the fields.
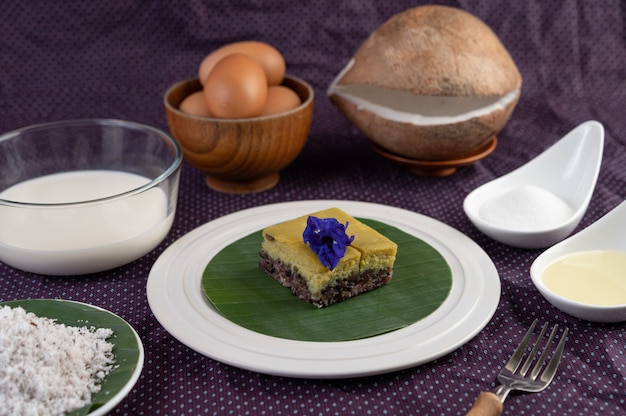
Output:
x=370 y=250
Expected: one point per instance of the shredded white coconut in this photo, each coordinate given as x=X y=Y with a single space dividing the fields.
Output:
x=47 y=368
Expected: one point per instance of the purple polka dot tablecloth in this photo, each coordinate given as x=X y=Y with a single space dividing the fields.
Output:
x=70 y=60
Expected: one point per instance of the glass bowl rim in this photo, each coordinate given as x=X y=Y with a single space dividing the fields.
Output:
x=171 y=169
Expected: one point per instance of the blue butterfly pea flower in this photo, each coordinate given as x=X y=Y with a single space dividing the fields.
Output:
x=327 y=238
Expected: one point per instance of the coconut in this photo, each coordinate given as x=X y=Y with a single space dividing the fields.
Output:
x=431 y=83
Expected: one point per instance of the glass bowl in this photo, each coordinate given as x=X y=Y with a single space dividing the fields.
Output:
x=84 y=196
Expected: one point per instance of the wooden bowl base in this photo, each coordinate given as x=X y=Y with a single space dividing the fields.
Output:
x=248 y=187
x=439 y=168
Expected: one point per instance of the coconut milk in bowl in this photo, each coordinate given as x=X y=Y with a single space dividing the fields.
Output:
x=84 y=196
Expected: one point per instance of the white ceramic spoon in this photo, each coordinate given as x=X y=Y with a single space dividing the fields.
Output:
x=606 y=234
x=567 y=171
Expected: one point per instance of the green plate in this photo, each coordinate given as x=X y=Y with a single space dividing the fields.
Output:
x=232 y=281
x=128 y=350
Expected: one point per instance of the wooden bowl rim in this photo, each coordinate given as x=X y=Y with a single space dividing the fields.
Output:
x=303 y=105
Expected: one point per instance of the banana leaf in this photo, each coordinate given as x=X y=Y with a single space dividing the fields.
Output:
x=248 y=297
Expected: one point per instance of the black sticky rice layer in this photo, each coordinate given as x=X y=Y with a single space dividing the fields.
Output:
x=342 y=290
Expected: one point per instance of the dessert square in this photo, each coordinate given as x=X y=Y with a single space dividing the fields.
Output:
x=366 y=265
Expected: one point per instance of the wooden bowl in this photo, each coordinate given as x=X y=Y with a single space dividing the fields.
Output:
x=436 y=167
x=240 y=155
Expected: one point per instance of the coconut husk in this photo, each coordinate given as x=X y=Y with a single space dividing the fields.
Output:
x=426 y=143
x=435 y=50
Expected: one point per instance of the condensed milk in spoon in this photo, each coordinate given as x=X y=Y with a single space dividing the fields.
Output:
x=585 y=274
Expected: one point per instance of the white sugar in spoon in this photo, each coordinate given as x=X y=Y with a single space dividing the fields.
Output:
x=541 y=202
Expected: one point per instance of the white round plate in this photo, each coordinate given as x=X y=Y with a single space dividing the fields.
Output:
x=177 y=300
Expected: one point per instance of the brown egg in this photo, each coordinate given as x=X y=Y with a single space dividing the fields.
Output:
x=270 y=59
x=236 y=88
x=195 y=104
x=280 y=99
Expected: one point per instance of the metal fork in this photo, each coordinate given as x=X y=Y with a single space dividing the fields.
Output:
x=514 y=376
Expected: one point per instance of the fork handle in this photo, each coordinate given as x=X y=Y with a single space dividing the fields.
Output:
x=486 y=404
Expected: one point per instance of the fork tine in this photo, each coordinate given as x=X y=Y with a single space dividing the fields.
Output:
x=544 y=354
x=552 y=366
x=491 y=402
x=533 y=352
x=517 y=356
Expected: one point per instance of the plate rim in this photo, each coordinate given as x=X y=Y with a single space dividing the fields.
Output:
x=112 y=402
x=179 y=303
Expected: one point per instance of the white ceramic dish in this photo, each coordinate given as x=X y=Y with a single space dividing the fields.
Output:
x=568 y=170
x=178 y=302
x=605 y=234
x=127 y=347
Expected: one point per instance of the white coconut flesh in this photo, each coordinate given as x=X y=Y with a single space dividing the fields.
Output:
x=420 y=110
